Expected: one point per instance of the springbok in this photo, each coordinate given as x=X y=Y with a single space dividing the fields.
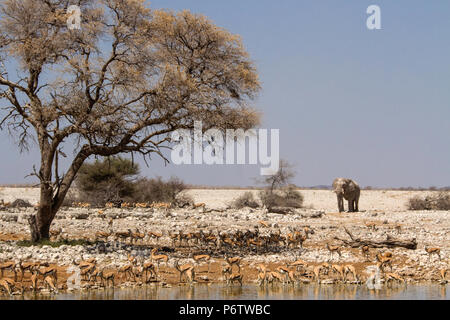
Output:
x=107 y=276
x=333 y=249
x=11 y=266
x=430 y=251
x=6 y=285
x=155 y=235
x=366 y=252
x=202 y=257
x=234 y=261
x=184 y=269
x=349 y=269
x=50 y=283
x=231 y=277
x=298 y=264
x=158 y=257
x=390 y=277
x=339 y=270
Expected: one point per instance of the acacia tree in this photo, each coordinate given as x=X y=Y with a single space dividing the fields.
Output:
x=281 y=178
x=279 y=191
x=120 y=84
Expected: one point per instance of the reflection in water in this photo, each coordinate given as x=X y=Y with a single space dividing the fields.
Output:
x=443 y=292
x=253 y=292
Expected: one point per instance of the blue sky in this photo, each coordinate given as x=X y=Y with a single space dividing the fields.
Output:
x=370 y=105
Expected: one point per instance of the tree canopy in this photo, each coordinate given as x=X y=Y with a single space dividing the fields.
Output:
x=121 y=84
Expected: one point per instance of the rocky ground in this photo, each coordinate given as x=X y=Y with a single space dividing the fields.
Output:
x=384 y=208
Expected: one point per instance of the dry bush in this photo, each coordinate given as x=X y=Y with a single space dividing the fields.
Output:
x=106 y=181
x=279 y=191
x=288 y=197
x=20 y=203
x=440 y=201
x=292 y=197
x=245 y=200
x=184 y=200
x=418 y=203
x=158 y=190
x=113 y=180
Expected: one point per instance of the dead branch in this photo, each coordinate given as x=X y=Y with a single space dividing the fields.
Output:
x=388 y=243
x=281 y=210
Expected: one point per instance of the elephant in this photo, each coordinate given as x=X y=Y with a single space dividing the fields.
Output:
x=349 y=190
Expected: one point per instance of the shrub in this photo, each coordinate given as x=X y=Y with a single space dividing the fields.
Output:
x=269 y=199
x=19 y=203
x=158 y=190
x=293 y=198
x=184 y=200
x=108 y=180
x=279 y=191
x=113 y=180
x=440 y=201
x=417 y=203
x=288 y=197
x=245 y=200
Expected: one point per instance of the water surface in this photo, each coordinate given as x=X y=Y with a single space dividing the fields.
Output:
x=254 y=292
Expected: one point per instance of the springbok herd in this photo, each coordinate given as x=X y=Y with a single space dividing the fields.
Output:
x=167 y=246
x=85 y=205
x=18 y=277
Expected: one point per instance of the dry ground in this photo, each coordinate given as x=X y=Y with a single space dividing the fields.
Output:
x=387 y=209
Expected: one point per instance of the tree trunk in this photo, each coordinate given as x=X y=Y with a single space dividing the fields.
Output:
x=44 y=222
x=33 y=229
x=40 y=224
x=50 y=203
x=39 y=230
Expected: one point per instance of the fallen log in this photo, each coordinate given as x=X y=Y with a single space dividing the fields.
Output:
x=281 y=210
x=388 y=243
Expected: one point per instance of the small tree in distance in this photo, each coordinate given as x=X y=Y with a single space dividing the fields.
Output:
x=279 y=191
x=281 y=178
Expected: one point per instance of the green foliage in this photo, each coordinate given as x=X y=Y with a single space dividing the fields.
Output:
x=114 y=179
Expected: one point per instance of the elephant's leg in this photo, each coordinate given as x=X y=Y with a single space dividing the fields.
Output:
x=340 y=203
x=350 y=205
x=356 y=205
